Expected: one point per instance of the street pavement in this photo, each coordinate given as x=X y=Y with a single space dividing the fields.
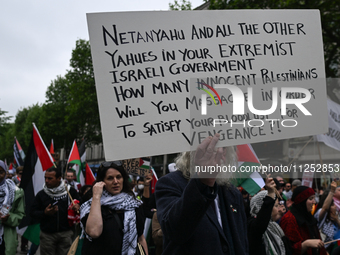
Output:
x=29 y=245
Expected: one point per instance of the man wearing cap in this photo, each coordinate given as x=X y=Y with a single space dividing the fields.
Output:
x=12 y=210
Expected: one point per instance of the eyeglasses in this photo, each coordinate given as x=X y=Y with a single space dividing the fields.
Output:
x=111 y=164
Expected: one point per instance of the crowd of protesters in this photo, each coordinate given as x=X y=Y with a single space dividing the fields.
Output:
x=189 y=213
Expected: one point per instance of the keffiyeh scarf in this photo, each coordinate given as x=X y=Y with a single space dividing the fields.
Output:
x=126 y=203
x=272 y=237
x=7 y=193
x=56 y=192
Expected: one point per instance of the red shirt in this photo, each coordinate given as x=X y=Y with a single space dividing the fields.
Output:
x=297 y=234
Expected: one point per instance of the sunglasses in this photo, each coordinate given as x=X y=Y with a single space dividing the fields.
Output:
x=111 y=164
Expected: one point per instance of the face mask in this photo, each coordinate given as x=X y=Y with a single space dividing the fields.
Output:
x=140 y=186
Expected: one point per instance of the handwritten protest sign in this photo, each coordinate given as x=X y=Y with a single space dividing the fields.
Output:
x=332 y=137
x=152 y=70
x=134 y=167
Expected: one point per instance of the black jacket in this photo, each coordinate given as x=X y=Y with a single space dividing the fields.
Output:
x=189 y=223
x=258 y=226
x=110 y=241
x=57 y=222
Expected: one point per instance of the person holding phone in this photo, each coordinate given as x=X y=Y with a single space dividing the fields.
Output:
x=49 y=208
x=112 y=219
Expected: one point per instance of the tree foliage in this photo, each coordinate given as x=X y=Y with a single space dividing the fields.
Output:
x=6 y=130
x=330 y=21
x=3 y=120
x=177 y=6
x=82 y=108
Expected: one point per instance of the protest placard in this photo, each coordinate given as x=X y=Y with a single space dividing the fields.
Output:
x=154 y=71
x=134 y=167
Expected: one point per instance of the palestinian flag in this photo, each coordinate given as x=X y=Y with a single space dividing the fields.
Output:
x=251 y=181
x=89 y=177
x=38 y=160
x=147 y=225
x=82 y=154
x=74 y=158
x=146 y=165
x=11 y=168
x=19 y=155
x=52 y=147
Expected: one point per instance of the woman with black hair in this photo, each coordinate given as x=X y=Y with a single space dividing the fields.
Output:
x=112 y=219
x=327 y=217
x=300 y=226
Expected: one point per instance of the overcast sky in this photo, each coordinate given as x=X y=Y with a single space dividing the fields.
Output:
x=37 y=38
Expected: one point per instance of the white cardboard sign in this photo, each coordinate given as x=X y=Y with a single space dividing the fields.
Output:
x=150 y=68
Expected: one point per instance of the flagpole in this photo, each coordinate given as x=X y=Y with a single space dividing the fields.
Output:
x=299 y=152
x=72 y=201
x=332 y=241
x=324 y=175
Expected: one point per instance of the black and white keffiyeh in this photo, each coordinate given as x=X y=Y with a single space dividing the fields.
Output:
x=325 y=226
x=120 y=202
x=56 y=192
x=272 y=237
x=7 y=193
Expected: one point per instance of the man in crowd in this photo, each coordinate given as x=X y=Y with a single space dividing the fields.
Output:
x=296 y=183
x=10 y=174
x=71 y=179
x=17 y=178
x=201 y=214
x=280 y=179
x=50 y=207
x=287 y=191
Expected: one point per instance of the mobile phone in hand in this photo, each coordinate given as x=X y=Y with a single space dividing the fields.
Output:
x=55 y=203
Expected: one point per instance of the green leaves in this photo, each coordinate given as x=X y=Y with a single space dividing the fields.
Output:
x=183 y=6
x=330 y=19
